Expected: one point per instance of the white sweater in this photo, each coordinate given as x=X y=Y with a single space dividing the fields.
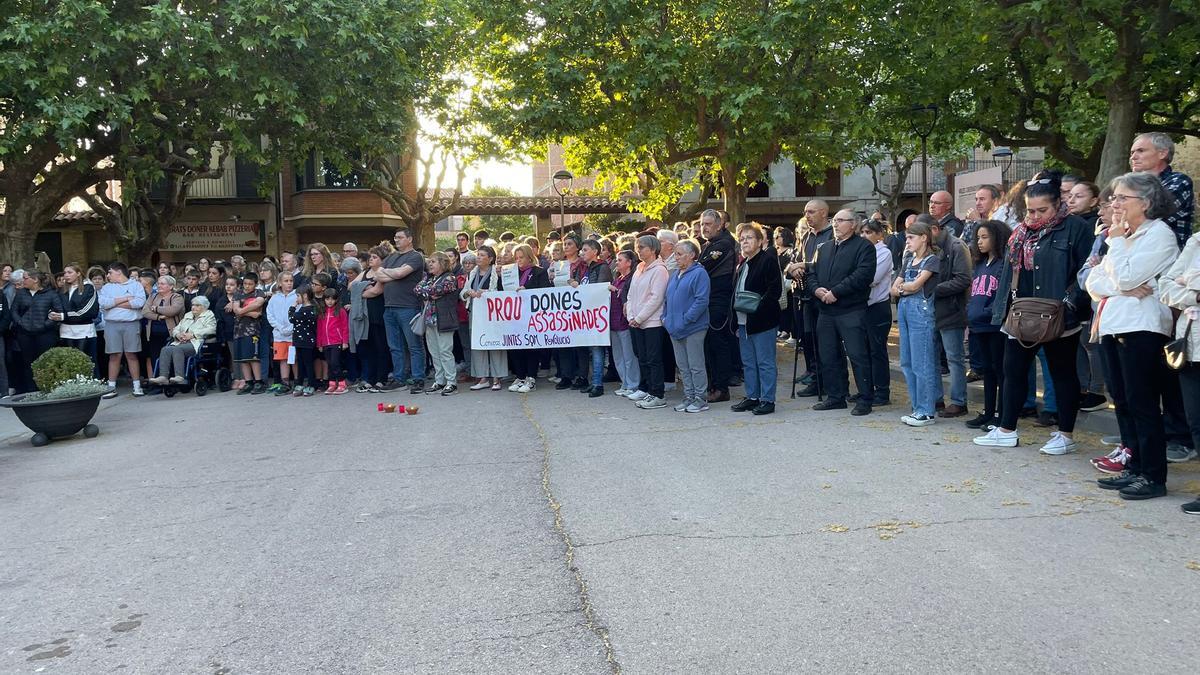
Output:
x=1130 y=262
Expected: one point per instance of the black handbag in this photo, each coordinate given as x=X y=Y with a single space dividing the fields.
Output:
x=1176 y=351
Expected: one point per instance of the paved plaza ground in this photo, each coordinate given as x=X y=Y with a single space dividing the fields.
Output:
x=553 y=533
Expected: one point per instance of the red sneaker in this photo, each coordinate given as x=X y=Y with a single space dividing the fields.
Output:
x=332 y=388
x=341 y=387
x=1113 y=463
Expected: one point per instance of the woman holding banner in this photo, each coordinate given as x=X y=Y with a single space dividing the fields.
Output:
x=524 y=362
x=485 y=363
x=647 y=291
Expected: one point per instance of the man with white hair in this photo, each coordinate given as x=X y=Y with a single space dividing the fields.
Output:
x=1153 y=152
x=349 y=250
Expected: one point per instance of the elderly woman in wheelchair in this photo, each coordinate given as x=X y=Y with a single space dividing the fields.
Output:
x=187 y=338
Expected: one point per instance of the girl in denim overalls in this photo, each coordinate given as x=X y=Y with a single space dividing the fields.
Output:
x=918 y=353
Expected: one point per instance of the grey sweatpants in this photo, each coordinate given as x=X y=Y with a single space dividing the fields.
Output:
x=689 y=359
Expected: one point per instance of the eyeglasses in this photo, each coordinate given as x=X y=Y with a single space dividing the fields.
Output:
x=1118 y=199
x=843 y=220
x=942 y=203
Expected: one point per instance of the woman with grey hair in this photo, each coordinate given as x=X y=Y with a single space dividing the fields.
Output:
x=486 y=364
x=1133 y=326
x=643 y=308
x=161 y=312
x=685 y=316
x=192 y=330
x=1179 y=288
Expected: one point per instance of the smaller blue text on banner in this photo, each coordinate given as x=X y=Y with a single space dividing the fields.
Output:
x=541 y=318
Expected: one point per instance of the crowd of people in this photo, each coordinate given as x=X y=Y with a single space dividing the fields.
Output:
x=702 y=307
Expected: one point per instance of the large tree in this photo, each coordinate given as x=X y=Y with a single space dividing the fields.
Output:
x=142 y=91
x=1079 y=77
x=669 y=96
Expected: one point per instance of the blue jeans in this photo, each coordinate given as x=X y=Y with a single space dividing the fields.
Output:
x=598 y=366
x=758 y=362
x=952 y=342
x=1049 y=400
x=408 y=350
x=918 y=353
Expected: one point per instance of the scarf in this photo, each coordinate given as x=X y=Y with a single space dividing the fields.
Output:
x=1025 y=238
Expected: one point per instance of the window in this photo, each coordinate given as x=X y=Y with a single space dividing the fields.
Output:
x=830 y=187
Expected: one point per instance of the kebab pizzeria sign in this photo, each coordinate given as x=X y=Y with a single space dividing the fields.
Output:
x=215 y=236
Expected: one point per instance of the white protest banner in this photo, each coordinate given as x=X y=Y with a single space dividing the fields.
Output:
x=541 y=317
x=967 y=184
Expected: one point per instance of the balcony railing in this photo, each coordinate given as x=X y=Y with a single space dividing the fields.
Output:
x=1021 y=169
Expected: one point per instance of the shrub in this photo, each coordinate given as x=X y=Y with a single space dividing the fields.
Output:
x=59 y=365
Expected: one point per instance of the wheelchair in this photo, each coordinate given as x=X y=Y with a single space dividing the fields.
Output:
x=204 y=372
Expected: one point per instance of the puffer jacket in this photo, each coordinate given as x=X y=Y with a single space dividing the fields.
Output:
x=31 y=311
x=1186 y=295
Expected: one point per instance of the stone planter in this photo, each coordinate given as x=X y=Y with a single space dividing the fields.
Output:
x=56 y=419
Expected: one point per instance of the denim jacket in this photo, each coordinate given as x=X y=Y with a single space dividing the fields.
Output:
x=1059 y=256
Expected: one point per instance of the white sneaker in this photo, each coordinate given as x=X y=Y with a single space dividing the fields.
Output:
x=553 y=379
x=998 y=439
x=697 y=406
x=160 y=380
x=516 y=385
x=915 y=420
x=637 y=395
x=622 y=392
x=523 y=387
x=682 y=405
x=531 y=383
x=1059 y=445
x=651 y=402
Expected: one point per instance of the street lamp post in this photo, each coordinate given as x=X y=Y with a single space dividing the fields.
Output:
x=562 y=185
x=922 y=120
x=1003 y=157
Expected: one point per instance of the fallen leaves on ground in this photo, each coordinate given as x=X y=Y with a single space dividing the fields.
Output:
x=836 y=528
x=969 y=485
x=1193 y=565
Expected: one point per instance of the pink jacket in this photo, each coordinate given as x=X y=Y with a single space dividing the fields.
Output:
x=647 y=291
x=333 y=330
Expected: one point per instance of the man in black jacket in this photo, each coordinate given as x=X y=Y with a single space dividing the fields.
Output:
x=941 y=207
x=719 y=258
x=841 y=279
x=814 y=230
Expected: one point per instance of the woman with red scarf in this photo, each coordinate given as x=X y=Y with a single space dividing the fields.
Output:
x=1045 y=254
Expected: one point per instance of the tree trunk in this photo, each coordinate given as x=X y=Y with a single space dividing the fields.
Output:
x=424 y=236
x=24 y=218
x=1124 y=114
x=16 y=240
x=734 y=194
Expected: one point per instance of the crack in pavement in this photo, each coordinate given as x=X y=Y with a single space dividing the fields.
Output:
x=805 y=533
x=589 y=612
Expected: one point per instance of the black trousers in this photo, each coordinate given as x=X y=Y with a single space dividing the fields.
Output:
x=989 y=349
x=1175 y=420
x=1060 y=356
x=32 y=346
x=305 y=374
x=1189 y=384
x=1138 y=372
x=840 y=336
x=648 y=344
x=806 y=317
x=720 y=347
x=668 y=357
x=878 y=323
x=333 y=359
x=524 y=362
x=373 y=354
